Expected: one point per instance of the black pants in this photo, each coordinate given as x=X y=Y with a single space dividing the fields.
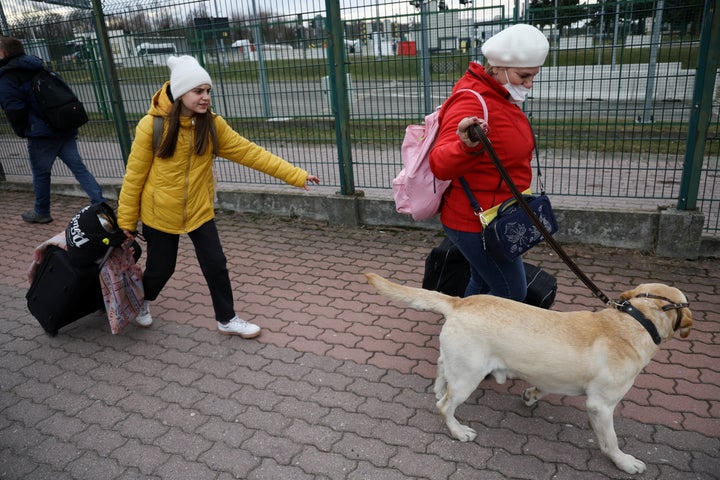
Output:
x=162 y=249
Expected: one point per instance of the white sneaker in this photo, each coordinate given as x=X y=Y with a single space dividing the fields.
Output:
x=238 y=326
x=144 y=319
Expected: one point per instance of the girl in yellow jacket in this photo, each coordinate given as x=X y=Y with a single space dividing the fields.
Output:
x=171 y=189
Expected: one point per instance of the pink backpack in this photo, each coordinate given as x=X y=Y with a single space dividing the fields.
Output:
x=415 y=189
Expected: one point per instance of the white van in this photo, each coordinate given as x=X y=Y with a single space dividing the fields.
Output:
x=155 y=53
x=243 y=49
x=243 y=46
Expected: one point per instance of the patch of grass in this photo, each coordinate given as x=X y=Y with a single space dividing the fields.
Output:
x=629 y=137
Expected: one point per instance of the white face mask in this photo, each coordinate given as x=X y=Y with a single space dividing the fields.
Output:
x=518 y=93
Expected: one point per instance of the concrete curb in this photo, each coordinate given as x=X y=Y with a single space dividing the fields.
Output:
x=665 y=231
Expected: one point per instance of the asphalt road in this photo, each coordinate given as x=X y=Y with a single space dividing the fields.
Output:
x=379 y=100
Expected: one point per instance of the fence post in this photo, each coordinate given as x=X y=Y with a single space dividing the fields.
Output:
x=708 y=62
x=647 y=117
x=4 y=28
x=118 y=107
x=425 y=59
x=339 y=95
x=260 y=53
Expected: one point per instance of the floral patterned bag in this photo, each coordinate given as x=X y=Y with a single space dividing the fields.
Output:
x=513 y=232
x=122 y=285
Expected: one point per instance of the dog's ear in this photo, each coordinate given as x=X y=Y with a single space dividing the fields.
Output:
x=685 y=322
x=629 y=294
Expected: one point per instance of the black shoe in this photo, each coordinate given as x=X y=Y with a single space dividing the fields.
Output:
x=32 y=217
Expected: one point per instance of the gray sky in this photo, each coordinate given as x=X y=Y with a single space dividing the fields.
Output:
x=350 y=8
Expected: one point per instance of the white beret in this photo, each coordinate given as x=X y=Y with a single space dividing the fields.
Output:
x=186 y=74
x=517 y=46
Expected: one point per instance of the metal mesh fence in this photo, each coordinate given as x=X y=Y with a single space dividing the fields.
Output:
x=611 y=108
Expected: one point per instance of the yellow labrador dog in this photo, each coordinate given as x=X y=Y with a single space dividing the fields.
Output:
x=597 y=354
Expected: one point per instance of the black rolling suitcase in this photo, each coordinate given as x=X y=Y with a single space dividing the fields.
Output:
x=541 y=286
x=447 y=271
x=62 y=293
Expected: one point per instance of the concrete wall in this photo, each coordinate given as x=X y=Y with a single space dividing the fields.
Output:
x=666 y=232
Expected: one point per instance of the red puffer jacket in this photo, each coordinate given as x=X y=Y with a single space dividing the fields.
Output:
x=450 y=158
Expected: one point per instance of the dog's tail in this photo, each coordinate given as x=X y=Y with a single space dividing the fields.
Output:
x=416 y=297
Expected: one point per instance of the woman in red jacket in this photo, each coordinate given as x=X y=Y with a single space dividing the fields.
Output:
x=514 y=57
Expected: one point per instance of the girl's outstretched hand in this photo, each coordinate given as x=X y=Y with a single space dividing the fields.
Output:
x=312 y=179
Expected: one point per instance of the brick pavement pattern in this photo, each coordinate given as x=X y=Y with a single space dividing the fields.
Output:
x=339 y=385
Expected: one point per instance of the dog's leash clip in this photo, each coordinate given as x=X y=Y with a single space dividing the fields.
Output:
x=483 y=223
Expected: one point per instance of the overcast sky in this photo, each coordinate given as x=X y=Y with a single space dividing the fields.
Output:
x=366 y=8
x=309 y=8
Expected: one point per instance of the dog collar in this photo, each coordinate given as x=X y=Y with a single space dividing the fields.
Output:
x=626 y=307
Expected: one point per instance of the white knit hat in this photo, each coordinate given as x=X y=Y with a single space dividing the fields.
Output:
x=517 y=46
x=186 y=74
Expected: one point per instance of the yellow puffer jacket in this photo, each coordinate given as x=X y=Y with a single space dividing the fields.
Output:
x=175 y=195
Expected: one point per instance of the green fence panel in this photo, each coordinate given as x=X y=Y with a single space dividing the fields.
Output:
x=611 y=107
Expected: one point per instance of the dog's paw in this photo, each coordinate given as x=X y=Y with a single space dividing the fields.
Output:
x=530 y=396
x=464 y=433
x=440 y=390
x=629 y=464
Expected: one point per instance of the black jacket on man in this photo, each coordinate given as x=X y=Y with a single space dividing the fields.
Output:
x=17 y=99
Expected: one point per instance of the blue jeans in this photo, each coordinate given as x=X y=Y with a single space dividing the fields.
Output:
x=488 y=276
x=42 y=153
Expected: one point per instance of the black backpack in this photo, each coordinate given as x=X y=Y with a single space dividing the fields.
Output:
x=59 y=105
x=91 y=232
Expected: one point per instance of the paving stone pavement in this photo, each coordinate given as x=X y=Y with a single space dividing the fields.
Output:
x=339 y=385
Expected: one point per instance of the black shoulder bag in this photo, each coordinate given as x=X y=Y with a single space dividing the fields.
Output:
x=514 y=230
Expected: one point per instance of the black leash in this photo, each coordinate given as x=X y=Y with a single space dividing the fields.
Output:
x=475 y=132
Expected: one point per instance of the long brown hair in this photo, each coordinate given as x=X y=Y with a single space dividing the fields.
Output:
x=203 y=137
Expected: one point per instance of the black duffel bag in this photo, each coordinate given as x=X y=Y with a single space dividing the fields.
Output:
x=447 y=271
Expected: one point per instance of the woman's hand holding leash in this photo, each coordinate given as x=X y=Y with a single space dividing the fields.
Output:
x=468 y=130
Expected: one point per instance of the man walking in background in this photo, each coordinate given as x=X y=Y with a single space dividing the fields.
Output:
x=44 y=143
